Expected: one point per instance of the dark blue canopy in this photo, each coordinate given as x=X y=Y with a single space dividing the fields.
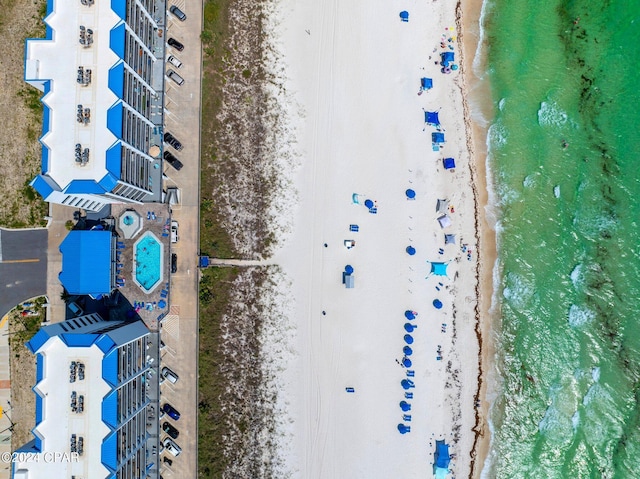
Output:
x=404 y=16
x=437 y=303
x=405 y=406
x=408 y=339
x=437 y=137
x=426 y=83
x=442 y=455
x=411 y=250
x=406 y=362
x=409 y=314
x=403 y=429
x=449 y=163
x=431 y=117
x=447 y=57
x=408 y=327
x=348 y=269
x=410 y=193
x=407 y=351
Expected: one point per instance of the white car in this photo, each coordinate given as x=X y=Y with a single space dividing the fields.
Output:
x=174 y=232
x=174 y=61
x=171 y=446
x=169 y=375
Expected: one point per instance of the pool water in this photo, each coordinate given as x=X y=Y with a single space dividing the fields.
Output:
x=148 y=262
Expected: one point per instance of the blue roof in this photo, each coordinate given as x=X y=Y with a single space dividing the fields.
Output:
x=110 y=368
x=38 y=339
x=78 y=340
x=114 y=119
x=83 y=186
x=110 y=452
x=116 y=39
x=120 y=7
x=43 y=184
x=110 y=409
x=39 y=368
x=86 y=262
x=116 y=79
x=39 y=406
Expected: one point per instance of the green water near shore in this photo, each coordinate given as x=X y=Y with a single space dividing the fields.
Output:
x=564 y=149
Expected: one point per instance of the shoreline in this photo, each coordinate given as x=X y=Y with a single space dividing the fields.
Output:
x=478 y=89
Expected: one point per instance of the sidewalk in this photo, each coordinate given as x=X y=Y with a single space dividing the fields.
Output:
x=5 y=398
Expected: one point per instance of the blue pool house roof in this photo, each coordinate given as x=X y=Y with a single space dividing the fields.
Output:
x=87 y=265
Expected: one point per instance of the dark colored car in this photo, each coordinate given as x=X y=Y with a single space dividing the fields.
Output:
x=167 y=460
x=173 y=141
x=172 y=160
x=178 y=13
x=169 y=429
x=171 y=411
x=175 y=44
x=174 y=263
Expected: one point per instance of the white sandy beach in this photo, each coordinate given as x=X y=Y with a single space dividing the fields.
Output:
x=354 y=69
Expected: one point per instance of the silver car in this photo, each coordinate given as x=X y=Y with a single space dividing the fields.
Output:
x=175 y=77
x=171 y=446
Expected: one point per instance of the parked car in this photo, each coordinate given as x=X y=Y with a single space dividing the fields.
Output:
x=172 y=160
x=171 y=446
x=174 y=231
x=75 y=309
x=174 y=263
x=178 y=13
x=175 y=44
x=175 y=77
x=170 y=430
x=171 y=411
x=174 y=61
x=169 y=375
x=173 y=141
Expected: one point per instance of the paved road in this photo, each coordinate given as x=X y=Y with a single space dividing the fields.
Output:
x=180 y=327
x=23 y=266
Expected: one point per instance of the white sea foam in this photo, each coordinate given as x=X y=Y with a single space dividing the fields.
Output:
x=518 y=291
x=595 y=373
x=530 y=180
x=580 y=315
x=575 y=421
x=577 y=277
x=550 y=114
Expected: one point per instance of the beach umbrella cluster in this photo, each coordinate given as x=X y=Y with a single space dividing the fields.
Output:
x=407 y=383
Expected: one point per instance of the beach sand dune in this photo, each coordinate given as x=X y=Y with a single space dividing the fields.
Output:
x=354 y=68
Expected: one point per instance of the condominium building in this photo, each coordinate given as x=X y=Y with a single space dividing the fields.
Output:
x=95 y=405
x=100 y=68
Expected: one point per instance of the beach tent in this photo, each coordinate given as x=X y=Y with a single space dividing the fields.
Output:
x=426 y=83
x=431 y=118
x=442 y=206
x=404 y=16
x=438 y=269
x=437 y=137
x=411 y=250
x=441 y=460
x=449 y=239
x=449 y=163
x=410 y=194
x=444 y=221
x=446 y=58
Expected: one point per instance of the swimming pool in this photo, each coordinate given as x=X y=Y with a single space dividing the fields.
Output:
x=148 y=262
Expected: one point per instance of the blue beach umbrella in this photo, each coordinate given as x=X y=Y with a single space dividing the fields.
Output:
x=406 y=362
x=437 y=303
x=405 y=406
x=407 y=351
x=368 y=203
x=410 y=194
x=408 y=327
x=403 y=428
x=408 y=339
x=411 y=250
x=348 y=269
x=409 y=314
x=404 y=16
x=407 y=384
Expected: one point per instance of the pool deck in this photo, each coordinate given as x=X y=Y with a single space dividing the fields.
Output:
x=160 y=227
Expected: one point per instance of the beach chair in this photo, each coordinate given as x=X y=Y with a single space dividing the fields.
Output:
x=350 y=390
x=406 y=417
x=410 y=373
x=408 y=395
x=354 y=228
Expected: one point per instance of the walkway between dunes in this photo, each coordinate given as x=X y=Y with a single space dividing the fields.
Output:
x=238 y=262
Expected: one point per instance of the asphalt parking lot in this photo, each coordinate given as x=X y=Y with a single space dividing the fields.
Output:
x=23 y=266
x=179 y=329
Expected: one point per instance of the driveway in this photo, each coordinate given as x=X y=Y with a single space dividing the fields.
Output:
x=23 y=266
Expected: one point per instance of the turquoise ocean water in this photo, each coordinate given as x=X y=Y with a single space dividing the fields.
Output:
x=564 y=153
